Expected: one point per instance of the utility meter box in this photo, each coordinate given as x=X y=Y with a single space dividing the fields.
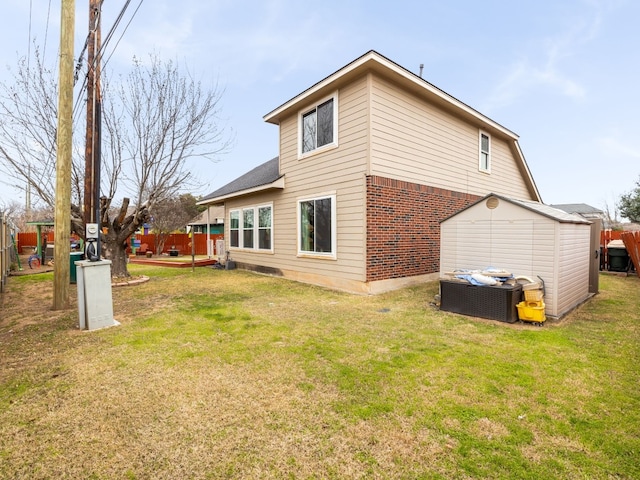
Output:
x=92 y=231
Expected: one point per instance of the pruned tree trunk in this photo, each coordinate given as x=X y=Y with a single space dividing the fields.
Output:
x=119 y=230
x=116 y=252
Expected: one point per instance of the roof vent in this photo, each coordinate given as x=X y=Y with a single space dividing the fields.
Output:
x=492 y=203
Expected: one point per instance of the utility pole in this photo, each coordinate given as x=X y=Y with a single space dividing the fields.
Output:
x=94 y=113
x=61 y=272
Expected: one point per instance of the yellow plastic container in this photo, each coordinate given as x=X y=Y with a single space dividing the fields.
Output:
x=533 y=295
x=531 y=311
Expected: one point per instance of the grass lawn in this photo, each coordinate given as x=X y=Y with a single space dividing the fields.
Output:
x=229 y=374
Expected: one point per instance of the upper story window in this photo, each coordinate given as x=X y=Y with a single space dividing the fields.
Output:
x=484 y=164
x=250 y=228
x=318 y=126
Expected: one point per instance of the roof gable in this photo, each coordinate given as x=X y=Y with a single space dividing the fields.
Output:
x=372 y=61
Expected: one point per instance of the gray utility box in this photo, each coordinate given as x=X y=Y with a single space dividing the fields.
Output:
x=492 y=302
x=95 y=303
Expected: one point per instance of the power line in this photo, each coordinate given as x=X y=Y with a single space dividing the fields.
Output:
x=110 y=34
x=108 y=39
x=29 y=37
x=46 y=31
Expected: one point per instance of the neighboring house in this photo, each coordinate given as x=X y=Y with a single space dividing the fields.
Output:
x=582 y=209
x=212 y=220
x=371 y=159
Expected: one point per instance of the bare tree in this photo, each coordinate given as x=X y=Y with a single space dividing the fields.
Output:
x=171 y=215
x=156 y=123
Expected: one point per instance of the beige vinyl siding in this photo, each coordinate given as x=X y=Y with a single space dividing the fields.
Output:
x=415 y=141
x=342 y=173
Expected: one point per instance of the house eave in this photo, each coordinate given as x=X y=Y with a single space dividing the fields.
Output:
x=278 y=184
x=526 y=173
x=373 y=61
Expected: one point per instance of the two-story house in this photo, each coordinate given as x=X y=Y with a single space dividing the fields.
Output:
x=371 y=159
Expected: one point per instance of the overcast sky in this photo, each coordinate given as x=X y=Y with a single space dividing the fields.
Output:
x=562 y=74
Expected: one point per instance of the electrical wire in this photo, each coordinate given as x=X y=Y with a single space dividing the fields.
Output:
x=29 y=37
x=46 y=31
x=103 y=47
x=123 y=32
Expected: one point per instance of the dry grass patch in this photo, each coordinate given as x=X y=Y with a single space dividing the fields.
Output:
x=233 y=375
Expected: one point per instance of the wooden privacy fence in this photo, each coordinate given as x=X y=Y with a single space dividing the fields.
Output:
x=631 y=242
x=181 y=242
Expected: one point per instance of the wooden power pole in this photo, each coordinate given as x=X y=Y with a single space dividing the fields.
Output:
x=62 y=250
x=94 y=113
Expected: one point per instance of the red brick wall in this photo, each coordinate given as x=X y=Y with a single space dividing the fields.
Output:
x=403 y=226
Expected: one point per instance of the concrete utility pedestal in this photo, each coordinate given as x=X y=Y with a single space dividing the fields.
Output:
x=95 y=304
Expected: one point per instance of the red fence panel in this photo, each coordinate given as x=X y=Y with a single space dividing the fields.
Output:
x=607 y=236
x=181 y=242
x=632 y=244
x=27 y=240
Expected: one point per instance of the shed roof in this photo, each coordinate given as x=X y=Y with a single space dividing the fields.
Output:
x=537 y=207
x=263 y=177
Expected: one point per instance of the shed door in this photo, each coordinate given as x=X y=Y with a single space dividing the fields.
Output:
x=496 y=243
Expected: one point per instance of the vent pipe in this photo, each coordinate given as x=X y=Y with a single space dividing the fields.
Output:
x=421 y=67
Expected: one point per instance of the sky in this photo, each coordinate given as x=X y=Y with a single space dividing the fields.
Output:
x=562 y=74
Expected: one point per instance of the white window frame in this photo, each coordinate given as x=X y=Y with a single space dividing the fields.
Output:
x=256 y=228
x=333 y=255
x=239 y=211
x=481 y=153
x=303 y=113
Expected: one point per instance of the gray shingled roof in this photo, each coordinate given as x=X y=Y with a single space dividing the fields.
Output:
x=263 y=174
x=549 y=211
x=580 y=208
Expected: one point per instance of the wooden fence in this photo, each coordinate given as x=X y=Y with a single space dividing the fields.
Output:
x=181 y=242
x=631 y=242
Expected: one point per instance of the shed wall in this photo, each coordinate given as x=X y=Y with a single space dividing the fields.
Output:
x=524 y=243
x=573 y=266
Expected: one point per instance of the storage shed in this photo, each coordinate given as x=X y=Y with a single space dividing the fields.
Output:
x=525 y=238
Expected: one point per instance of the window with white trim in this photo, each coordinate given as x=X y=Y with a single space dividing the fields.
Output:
x=318 y=126
x=264 y=228
x=234 y=228
x=247 y=227
x=484 y=164
x=317 y=226
x=250 y=228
